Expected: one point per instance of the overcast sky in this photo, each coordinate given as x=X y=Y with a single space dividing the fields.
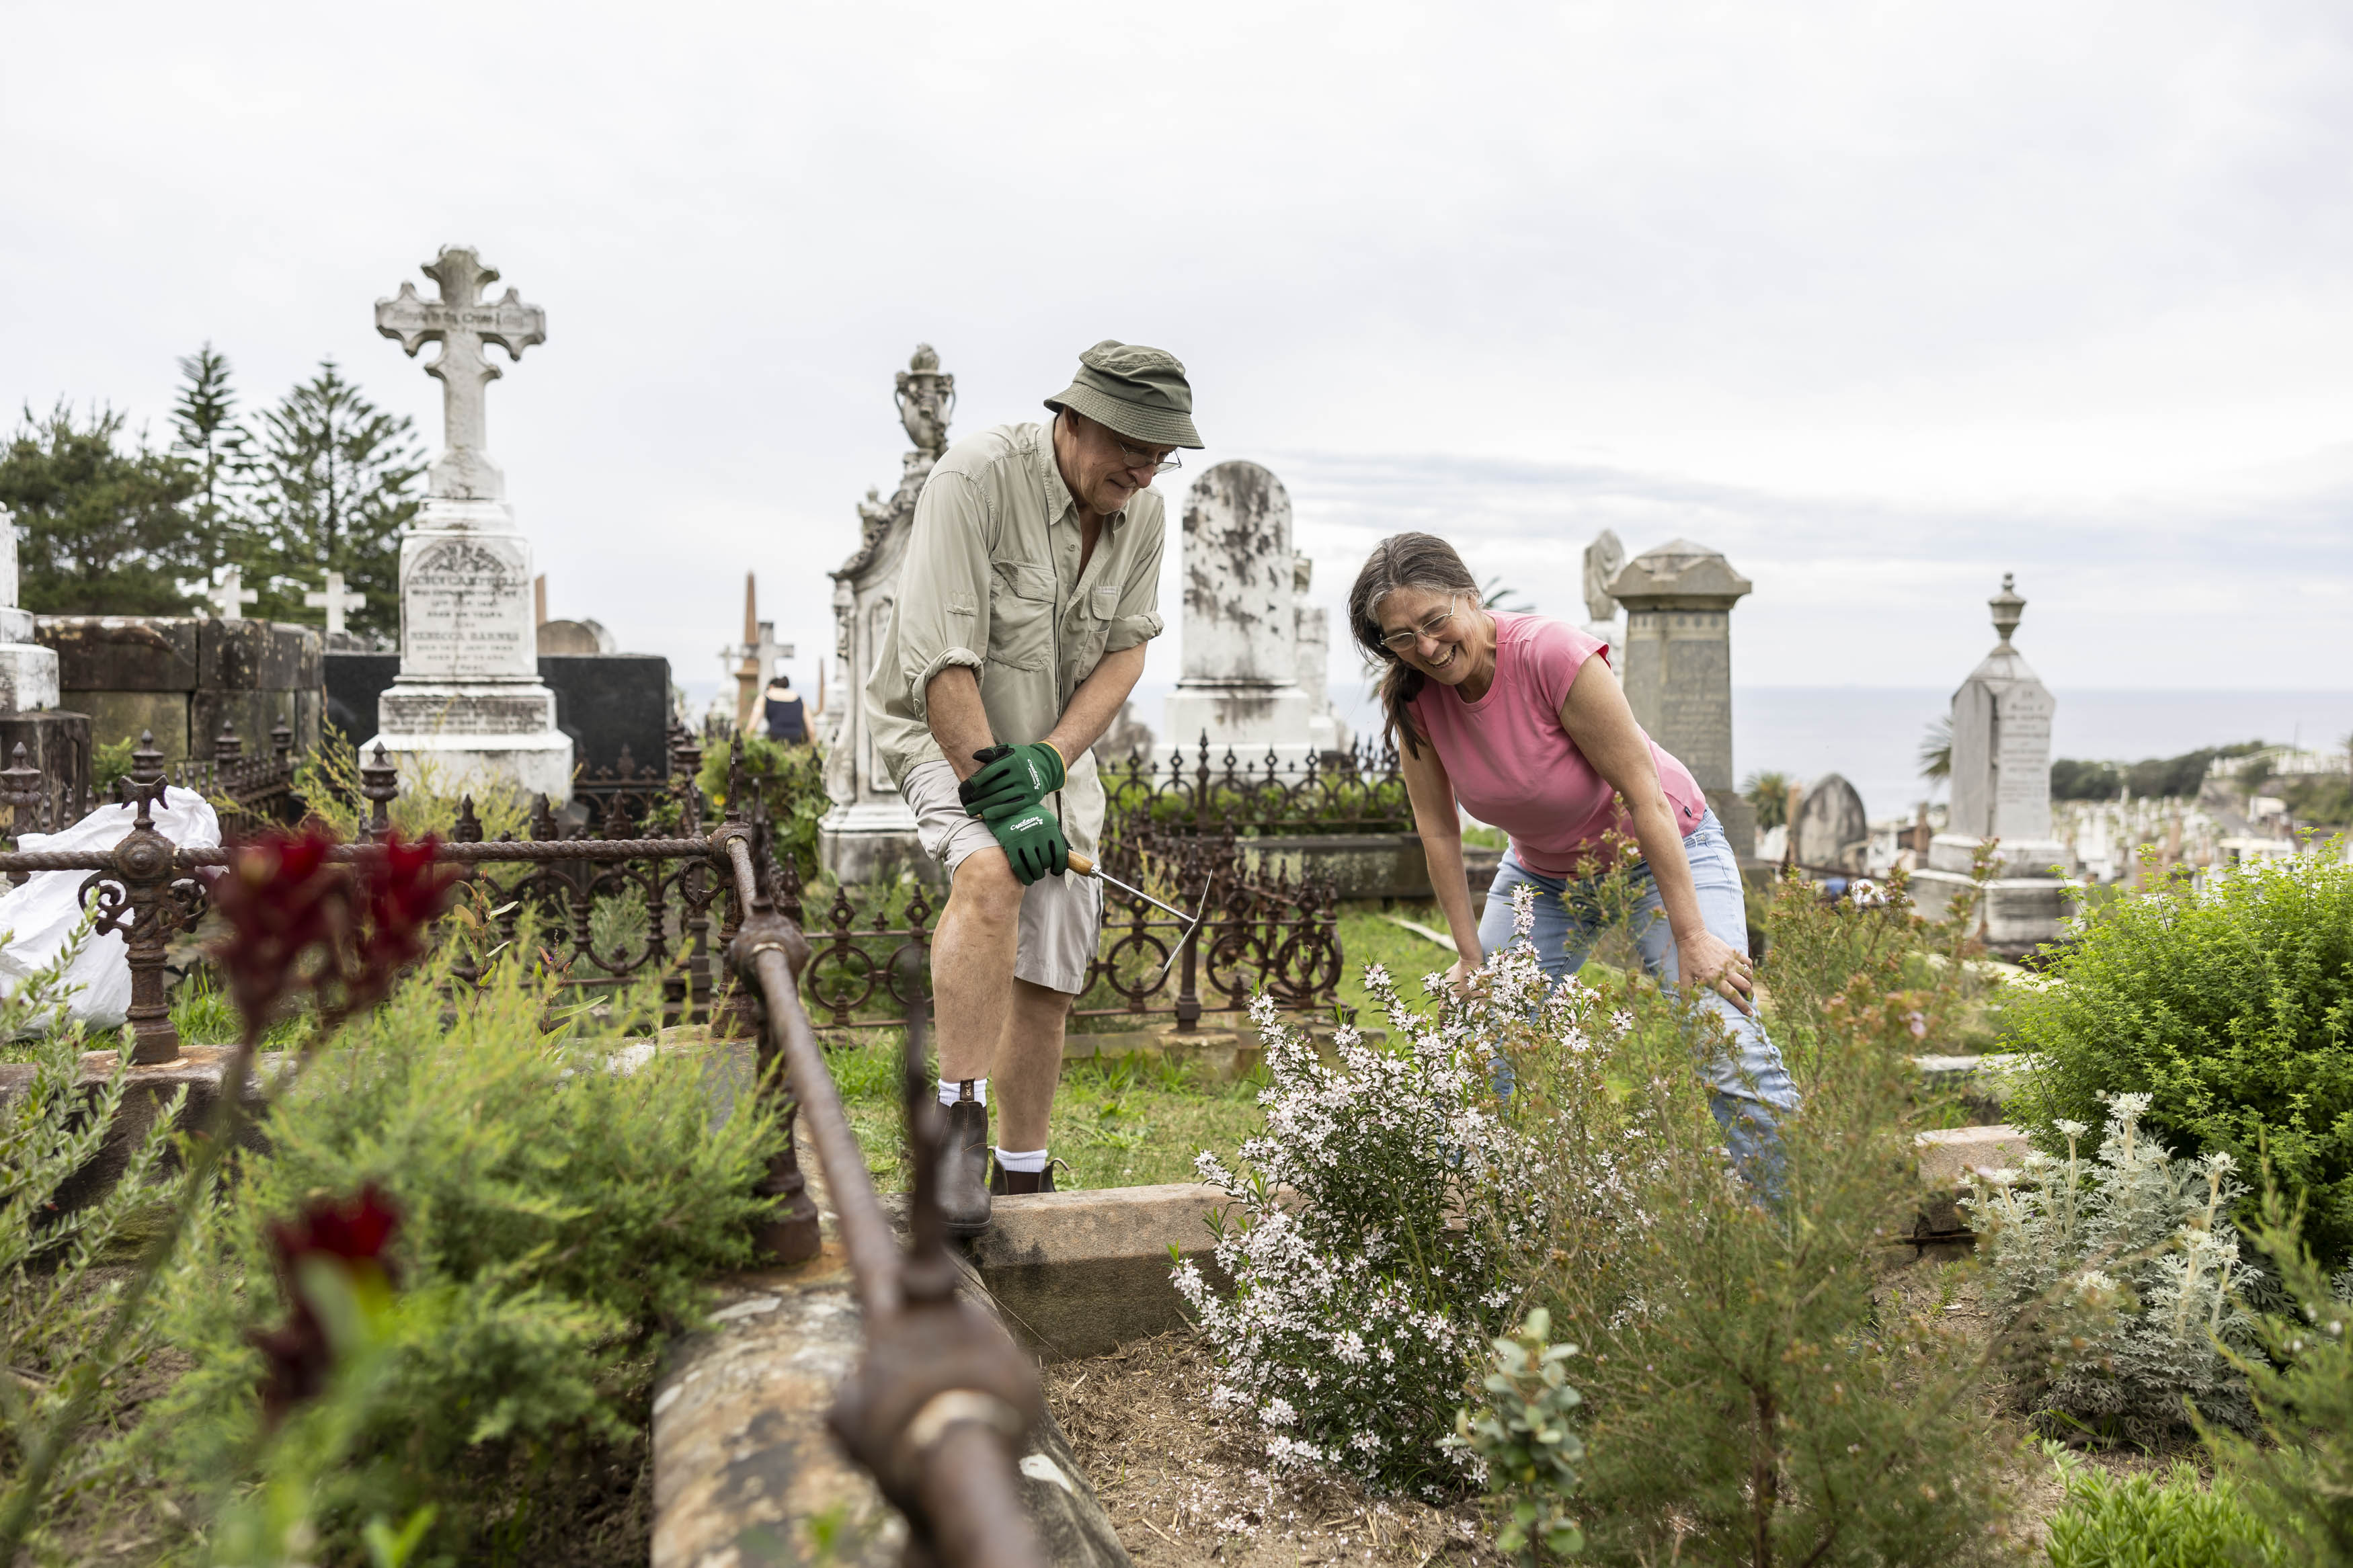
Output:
x=1882 y=300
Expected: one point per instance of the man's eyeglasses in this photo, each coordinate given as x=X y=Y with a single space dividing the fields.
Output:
x=1405 y=641
x=1129 y=458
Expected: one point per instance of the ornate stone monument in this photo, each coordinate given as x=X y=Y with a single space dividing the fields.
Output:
x=2001 y=790
x=28 y=672
x=469 y=694
x=1240 y=676
x=871 y=833
x=1677 y=667
x=1604 y=559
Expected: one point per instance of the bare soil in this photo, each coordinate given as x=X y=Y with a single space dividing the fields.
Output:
x=1183 y=1487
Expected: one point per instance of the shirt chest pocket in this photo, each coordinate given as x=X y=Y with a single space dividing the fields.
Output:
x=1021 y=615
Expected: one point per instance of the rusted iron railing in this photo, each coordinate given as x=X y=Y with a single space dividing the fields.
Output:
x=1356 y=791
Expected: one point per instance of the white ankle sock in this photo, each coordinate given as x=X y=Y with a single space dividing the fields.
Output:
x=1029 y=1161
x=950 y=1090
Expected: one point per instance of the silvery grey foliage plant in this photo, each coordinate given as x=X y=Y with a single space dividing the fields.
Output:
x=2132 y=1261
x=1380 y=1223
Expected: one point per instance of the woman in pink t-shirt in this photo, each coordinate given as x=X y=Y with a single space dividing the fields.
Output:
x=1520 y=720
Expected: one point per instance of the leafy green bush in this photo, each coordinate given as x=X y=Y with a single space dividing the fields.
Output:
x=2136 y=1521
x=2127 y=1276
x=2298 y=1480
x=2230 y=1007
x=558 y=1216
x=1524 y=1435
x=1751 y=1398
x=790 y=780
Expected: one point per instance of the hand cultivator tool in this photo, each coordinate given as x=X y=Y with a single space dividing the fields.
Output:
x=1086 y=867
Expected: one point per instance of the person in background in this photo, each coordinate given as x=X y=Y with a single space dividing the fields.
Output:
x=781 y=709
x=1516 y=718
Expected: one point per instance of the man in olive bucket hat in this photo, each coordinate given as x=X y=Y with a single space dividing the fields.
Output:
x=1029 y=591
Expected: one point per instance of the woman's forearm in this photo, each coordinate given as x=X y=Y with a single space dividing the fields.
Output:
x=1450 y=885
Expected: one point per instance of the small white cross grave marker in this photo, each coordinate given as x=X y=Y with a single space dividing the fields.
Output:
x=461 y=321
x=226 y=593
x=335 y=601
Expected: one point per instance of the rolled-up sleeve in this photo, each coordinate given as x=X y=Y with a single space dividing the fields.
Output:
x=1137 y=618
x=943 y=608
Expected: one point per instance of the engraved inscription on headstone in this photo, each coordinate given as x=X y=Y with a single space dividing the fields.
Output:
x=465 y=609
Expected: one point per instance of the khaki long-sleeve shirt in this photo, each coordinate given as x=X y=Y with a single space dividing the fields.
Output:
x=991 y=581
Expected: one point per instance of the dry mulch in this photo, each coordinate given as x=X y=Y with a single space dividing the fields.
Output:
x=1184 y=1485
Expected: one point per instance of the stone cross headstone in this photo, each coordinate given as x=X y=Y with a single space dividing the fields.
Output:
x=1677 y=667
x=225 y=592
x=1238 y=674
x=28 y=672
x=1828 y=829
x=469 y=694
x=335 y=602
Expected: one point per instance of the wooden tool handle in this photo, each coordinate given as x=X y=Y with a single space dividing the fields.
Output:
x=1082 y=865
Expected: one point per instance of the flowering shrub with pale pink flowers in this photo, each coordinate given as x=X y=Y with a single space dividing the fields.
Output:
x=1382 y=1222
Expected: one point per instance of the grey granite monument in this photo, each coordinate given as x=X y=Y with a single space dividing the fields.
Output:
x=2001 y=791
x=1677 y=667
x=468 y=697
x=1239 y=681
x=869 y=834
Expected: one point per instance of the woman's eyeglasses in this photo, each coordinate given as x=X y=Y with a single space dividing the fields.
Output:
x=1405 y=641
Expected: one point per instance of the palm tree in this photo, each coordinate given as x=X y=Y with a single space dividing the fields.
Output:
x=1937 y=750
x=1769 y=793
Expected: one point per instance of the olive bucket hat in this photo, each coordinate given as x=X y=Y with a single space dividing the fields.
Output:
x=1140 y=393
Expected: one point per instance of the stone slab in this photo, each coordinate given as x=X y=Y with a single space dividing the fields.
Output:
x=353 y=682
x=253 y=714
x=2019 y=913
x=610 y=702
x=124 y=653
x=1948 y=1155
x=258 y=656
x=57 y=744
x=1363 y=866
x=149 y=1089
x=1080 y=1274
x=29 y=676
x=125 y=715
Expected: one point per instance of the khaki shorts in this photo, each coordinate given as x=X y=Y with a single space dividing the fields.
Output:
x=1060 y=916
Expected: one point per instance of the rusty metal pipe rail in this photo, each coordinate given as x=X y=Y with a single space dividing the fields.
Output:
x=936 y=1408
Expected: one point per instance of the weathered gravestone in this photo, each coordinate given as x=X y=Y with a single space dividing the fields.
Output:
x=28 y=672
x=1830 y=829
x=469 y=695
x=1239 y=680
x=1678 y=668
x=869 y=834
x=186 y=679
x=56 y=743
x=2001 y=790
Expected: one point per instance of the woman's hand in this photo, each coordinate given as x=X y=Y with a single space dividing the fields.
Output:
x=1468 y=975
x=1705 y=959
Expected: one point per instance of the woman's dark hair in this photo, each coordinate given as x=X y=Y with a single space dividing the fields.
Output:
x=1420 y=561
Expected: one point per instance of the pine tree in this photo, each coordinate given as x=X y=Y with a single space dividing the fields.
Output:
x=331 y=488
x=210 y=435
x=102 y=530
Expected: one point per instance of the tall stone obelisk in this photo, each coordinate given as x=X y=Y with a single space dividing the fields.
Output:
x=467 y=700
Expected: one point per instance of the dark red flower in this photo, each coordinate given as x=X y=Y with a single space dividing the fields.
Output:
x=402 y=894
x=351 y=1235
x=280 y=898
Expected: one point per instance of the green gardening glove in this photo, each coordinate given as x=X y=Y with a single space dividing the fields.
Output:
x=1032 y=840
x=1013 y=779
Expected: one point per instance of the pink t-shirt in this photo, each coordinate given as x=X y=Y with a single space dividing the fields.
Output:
x=1511 y=764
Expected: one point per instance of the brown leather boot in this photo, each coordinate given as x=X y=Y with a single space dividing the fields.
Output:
x=963 y=1166
x=1014 y=1183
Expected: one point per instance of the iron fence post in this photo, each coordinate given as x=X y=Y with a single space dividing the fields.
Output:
x=144 y=869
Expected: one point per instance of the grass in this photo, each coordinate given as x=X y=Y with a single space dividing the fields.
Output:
x=1120 y=1121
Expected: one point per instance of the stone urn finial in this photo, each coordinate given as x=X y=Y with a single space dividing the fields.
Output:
x=2006 y=608
x=927 y=400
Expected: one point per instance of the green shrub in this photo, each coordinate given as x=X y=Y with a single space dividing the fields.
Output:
x=1524 y=1434
x=2127 y=1276
x=2136 y=1521
x=2231 y=1008
x=2298 y=1480
x=1751 y=1396
x=790 y=780
x=558 y=1216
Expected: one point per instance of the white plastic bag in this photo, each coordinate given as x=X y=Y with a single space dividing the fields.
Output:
x=39 y=918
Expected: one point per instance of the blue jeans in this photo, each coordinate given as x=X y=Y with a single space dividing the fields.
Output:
x=1749 y=1087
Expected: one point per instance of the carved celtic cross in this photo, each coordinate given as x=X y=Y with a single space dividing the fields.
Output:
x=461 y=321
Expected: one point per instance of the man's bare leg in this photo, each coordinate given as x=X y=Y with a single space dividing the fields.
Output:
x=1029 y=1064
x=972 y=998
x=972 y=964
